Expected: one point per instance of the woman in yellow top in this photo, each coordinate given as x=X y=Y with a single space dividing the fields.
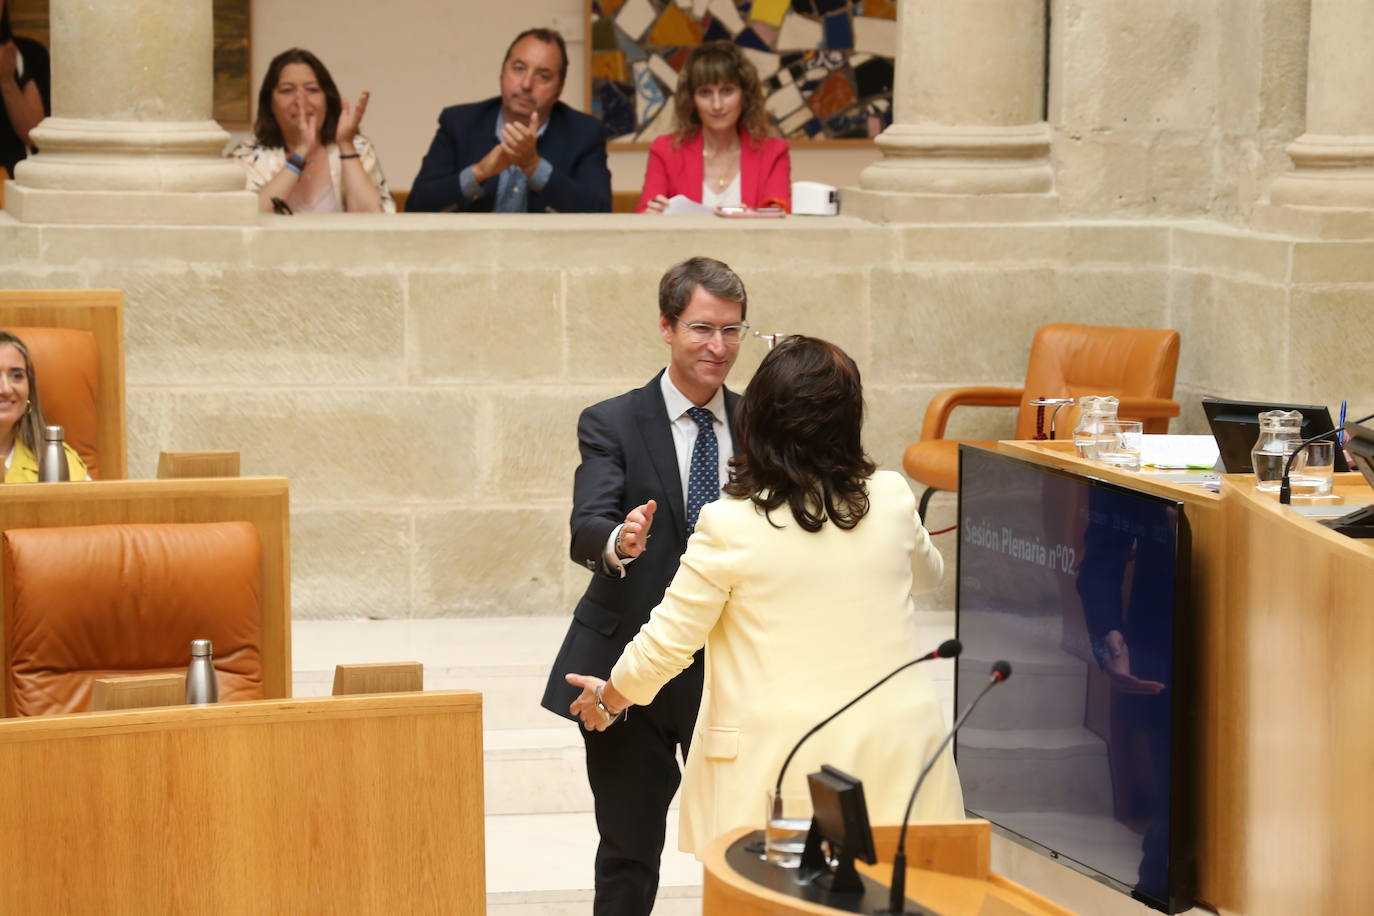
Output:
x=21 y=419
x=798 y=582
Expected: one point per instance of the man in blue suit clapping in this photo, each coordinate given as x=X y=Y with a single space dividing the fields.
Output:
x=522 y=151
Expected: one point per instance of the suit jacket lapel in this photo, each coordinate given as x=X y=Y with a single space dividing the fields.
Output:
x=652 y=419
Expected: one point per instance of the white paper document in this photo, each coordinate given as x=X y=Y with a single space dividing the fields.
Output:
x=1178 y=451
x=679 y=204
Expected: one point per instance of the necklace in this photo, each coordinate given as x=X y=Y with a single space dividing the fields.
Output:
x=723 y=177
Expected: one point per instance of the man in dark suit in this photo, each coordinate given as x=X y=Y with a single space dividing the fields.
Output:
x=650 y=457
x=523 y=151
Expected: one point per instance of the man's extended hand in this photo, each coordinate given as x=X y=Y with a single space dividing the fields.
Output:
x=634 y=537
x=1118 y=667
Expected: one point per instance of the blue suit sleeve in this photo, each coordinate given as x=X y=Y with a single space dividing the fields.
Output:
x=585 y=185
x=439 y=186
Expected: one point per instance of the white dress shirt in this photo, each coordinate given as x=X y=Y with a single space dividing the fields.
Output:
x=685 y=432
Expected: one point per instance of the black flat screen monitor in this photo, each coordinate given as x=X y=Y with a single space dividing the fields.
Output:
x=1235 y=426
x=1081 y=584
x=1359 y=441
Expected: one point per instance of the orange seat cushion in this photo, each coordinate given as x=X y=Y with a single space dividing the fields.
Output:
x=935 y=463
x=89 y=602
x=66 y=363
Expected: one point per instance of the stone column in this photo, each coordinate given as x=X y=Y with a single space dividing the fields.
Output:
x=1330 y=190
x=130 y=139
x=968 y=138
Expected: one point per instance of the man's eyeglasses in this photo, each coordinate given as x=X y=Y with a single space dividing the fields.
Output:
x=701 y=332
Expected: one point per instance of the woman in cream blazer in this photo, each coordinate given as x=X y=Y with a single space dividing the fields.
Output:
x=798 y=582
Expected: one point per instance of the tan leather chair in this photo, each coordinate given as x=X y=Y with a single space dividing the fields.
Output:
x=1136 y=365
x=76 y=339
x=82 y=603
x=67 y=365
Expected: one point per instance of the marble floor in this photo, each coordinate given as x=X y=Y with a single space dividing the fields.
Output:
x=538 y=807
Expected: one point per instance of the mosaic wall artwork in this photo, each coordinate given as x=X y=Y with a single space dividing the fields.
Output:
x=826 y=65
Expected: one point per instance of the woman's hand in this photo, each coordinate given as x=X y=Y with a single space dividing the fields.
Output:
x=585 y=708
x=307 y=129
x=657 y=205
x=350 y=121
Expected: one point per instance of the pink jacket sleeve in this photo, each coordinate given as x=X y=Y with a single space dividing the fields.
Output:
x=775 y=174
x=655 y=173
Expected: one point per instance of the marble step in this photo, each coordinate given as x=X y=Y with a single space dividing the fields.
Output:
x=671 y=901
x=1047 y=694
x=1064 y=770
x=536 y=771
x=543 y=863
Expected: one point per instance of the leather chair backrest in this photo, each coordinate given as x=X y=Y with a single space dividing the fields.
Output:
x=1073 y=360
x=88 y=602
x=67 y=364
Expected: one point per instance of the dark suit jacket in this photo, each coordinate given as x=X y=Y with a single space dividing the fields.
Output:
x=627 y=459
x=574 y=144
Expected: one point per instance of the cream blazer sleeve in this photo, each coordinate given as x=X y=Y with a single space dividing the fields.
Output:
x=678 y=627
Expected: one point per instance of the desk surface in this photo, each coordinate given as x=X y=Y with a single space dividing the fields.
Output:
x=956 y=880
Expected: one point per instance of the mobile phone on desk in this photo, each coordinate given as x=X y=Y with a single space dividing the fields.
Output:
x=749 y=213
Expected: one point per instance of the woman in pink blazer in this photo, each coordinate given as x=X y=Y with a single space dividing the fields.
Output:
x=720 y=154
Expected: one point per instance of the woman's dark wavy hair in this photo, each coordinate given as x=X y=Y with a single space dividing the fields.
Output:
x=266 y=130
x=798 y=440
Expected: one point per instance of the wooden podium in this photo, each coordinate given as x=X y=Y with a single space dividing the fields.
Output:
x=367 y=804
x=949 y=875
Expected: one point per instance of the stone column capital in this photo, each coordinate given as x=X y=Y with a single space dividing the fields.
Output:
x=969 y=134
x=131 y=139
x=1329 y=192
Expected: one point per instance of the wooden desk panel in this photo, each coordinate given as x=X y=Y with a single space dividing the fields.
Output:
x=327 y=805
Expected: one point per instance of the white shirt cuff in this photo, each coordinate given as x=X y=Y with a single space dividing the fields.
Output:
x=614 y=562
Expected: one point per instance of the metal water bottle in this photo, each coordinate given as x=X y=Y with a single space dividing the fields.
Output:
x=201 y=685
x=52 y=463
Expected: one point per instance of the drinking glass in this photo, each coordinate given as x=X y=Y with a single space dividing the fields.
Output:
x=1118 y=443
x=787 y=820
x=1312 y=476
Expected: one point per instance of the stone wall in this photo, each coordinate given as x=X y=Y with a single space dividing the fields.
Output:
x=418 y=378
x=1174 y=108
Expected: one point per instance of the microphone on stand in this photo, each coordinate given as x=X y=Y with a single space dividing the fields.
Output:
x=950 y=648
x=1286 y=486
x=896 y=904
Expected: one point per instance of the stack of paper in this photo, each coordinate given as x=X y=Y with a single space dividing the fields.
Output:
x=1170 y=452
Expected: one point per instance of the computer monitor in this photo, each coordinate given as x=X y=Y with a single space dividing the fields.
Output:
x=1083 y=584
x=841 y=821
x=1359 y=442
x=1235 y=425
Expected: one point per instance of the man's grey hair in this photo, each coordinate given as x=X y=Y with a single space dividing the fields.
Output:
x=681 y=280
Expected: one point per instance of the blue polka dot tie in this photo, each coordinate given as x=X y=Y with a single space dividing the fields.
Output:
x=703 y=477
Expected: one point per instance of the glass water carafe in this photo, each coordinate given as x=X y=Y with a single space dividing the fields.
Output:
x=1093 y=410
x=1280 y=433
